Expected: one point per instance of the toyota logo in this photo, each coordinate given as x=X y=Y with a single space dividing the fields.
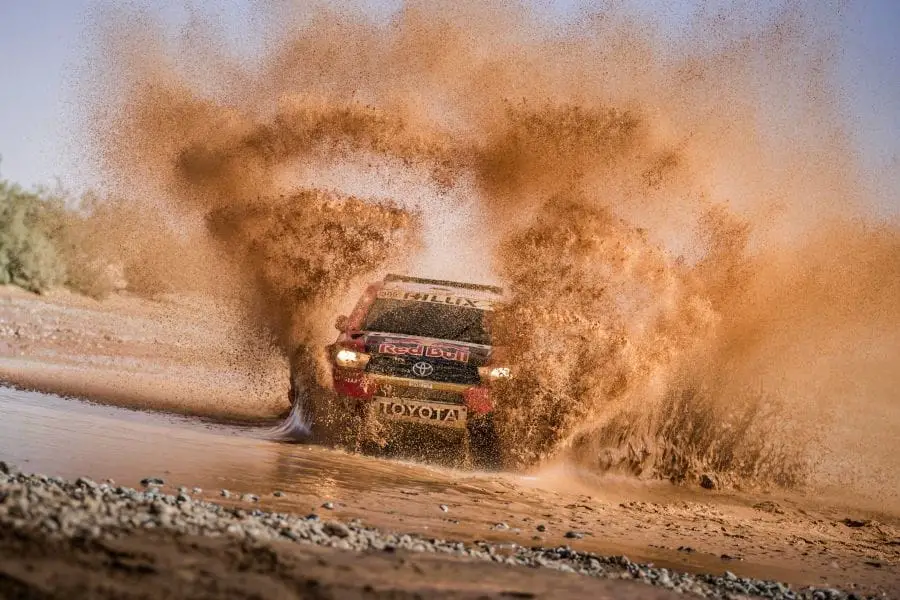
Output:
x=422 y=369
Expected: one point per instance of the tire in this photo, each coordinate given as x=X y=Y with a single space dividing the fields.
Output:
x=484 y=446
x=304 y=394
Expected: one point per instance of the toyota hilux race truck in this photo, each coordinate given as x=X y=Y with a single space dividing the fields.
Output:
x=418 y=352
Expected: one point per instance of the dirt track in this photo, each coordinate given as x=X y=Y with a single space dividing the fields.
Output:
x=145 y=354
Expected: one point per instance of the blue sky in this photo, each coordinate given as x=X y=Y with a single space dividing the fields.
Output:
x=45 y=45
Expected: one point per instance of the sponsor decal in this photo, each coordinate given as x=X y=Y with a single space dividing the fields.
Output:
x=449 y=299
x=402 y=348
x=438 y=414
x=457 y=353
x=422 y=369
x=444 y=351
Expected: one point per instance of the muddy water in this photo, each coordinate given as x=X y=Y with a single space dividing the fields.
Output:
x=646 y=521
x=68 y=437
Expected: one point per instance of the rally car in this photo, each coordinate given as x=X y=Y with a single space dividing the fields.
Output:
x=419 y=351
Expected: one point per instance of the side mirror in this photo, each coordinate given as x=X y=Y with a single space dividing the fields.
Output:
x=341 y=323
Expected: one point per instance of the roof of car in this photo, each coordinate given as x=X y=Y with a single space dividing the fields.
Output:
x=421 y=284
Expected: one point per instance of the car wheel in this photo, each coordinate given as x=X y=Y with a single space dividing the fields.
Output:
x=484 y=447
x=304 y=394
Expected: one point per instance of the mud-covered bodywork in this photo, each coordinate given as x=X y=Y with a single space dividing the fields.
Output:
x=419 y=350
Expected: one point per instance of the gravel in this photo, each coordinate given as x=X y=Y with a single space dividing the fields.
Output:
x=84 y=509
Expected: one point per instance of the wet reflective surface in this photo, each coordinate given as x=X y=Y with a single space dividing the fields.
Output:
x=68 y=437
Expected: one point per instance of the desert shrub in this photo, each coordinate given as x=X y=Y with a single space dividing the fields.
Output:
x=87 y=242
x=29 y=224
x=52 y=238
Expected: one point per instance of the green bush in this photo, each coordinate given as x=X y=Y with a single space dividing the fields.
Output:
x=49 y=239
x=29 y=252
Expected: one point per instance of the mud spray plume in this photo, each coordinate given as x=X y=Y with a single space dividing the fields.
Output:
x=671 y=224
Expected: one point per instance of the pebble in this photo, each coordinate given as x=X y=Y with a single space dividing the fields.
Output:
x=86 y=510
x=278 y=493
x=542 y=528
x=444 y=508
x=148 y=481
x=336 y=528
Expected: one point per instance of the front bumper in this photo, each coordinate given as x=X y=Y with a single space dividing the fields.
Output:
x=392 y=391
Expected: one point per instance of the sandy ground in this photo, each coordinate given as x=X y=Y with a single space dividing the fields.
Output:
x=178 y=356
x=148 y=565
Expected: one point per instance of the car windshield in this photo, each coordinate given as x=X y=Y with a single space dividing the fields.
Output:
x=429 y=319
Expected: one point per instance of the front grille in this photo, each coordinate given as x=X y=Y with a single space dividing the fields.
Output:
x=445 y=371
x=389 y=390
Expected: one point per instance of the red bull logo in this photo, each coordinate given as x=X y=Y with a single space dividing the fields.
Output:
x=443 y=351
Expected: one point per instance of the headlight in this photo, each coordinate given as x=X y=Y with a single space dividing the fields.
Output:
x=499 y=373
x=494 y=373
x=351 y=358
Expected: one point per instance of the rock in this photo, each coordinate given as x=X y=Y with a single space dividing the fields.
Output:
x=197 y=490
x=856 y=522
x=328 y=505
x=444 y=507
x=501 y=526
x=336 y=528
x=250 y=498
x=706 y=482
x=872 y=563
x=574 y=535
x=542 y=528
x=225 y=493
x=278 y=493
x=769 y=507
x=148 y=481
x=6 y=468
